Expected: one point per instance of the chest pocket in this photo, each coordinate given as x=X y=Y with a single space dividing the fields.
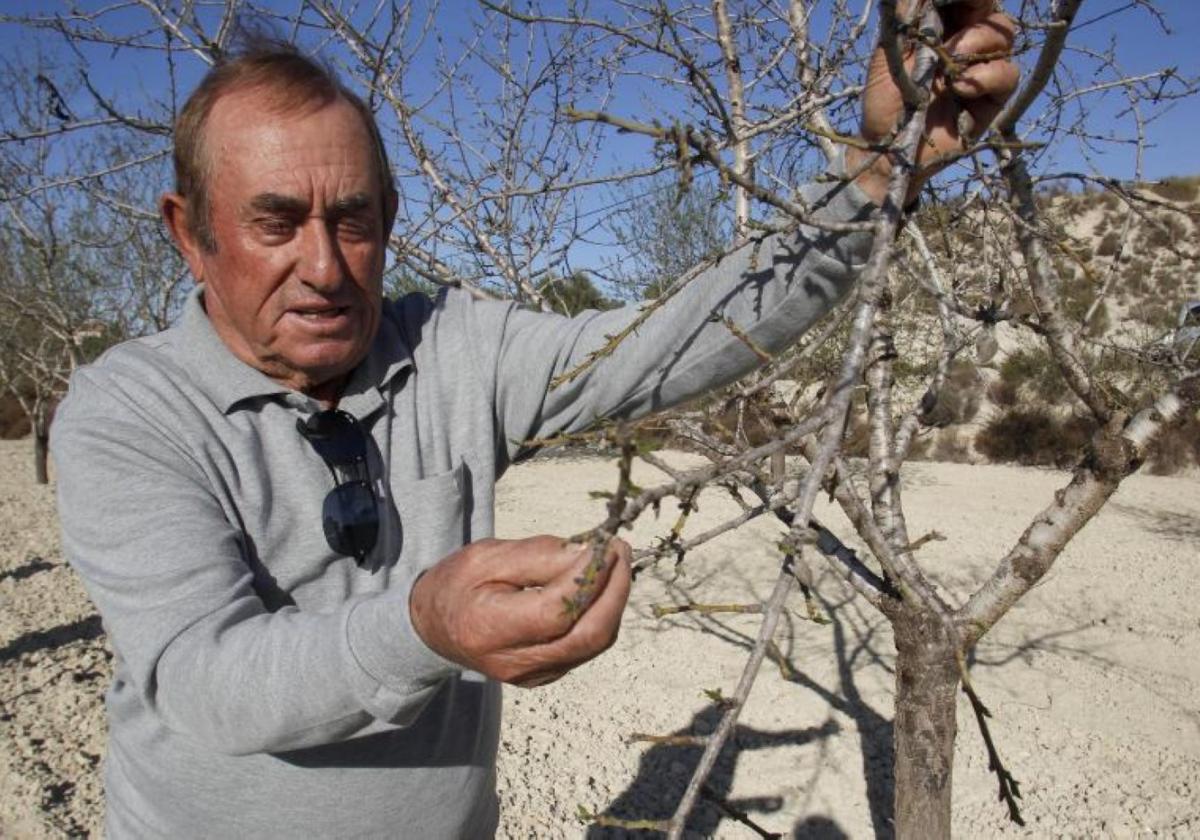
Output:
x=434 y=516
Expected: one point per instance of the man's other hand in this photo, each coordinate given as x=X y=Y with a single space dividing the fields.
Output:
x=974 y=30
x=499 y=607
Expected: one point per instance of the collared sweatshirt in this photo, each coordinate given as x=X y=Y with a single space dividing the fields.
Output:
x=266 y=686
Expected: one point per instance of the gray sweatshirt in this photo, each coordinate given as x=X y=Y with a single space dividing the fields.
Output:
x=265 y=686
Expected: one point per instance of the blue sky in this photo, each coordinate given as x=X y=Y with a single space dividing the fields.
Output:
x=1142 y=46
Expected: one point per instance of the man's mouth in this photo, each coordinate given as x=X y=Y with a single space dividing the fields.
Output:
x=313 y=314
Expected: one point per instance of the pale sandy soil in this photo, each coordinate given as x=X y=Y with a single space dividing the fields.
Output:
x=1093 y=679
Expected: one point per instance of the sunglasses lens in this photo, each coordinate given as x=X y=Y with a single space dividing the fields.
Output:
x=336 y=435
x=351 y=519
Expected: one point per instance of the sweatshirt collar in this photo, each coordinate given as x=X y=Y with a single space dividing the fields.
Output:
x=230 y=382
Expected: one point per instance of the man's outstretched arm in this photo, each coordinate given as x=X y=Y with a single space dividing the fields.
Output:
x=772 y=288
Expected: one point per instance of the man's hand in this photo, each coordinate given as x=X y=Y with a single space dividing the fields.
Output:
x=973 y=30
x=498 y=607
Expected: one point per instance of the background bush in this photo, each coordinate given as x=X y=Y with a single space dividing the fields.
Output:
x=1034 y=437
x=1178 y=449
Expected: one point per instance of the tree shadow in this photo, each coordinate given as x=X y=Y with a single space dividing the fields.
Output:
x=854 y=639
x=84 y=629
x=656 y=790
x=28 y=569
x=1164 y=523
x=997 y=654
x=665 y=769
x=818 y=828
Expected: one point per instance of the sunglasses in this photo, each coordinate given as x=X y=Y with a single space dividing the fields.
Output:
x=350 y=514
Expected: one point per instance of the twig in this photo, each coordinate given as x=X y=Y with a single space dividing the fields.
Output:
x=736 y=814
x=774 y=608
x=663 y=610
x=600 y=536
x=1010 y=788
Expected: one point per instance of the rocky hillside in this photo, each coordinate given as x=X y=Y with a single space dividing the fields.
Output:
x=1127 y=268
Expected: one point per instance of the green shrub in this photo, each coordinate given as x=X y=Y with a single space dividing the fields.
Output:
x=1003 y=394
x=1177 y=449
x=1033 y=436
x=1176 y=227
x=1077 y=295
x=14 y=423
x=1156 y=237
x=1101 y=321
x=1134 y=277
x=1036 y=370
x=571 y=295
x=1157 y=316
x=1169 y=282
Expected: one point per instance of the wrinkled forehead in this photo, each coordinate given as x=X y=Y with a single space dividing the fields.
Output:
x=253 y=142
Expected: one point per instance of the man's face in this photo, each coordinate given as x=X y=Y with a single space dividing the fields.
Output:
x=297 y=213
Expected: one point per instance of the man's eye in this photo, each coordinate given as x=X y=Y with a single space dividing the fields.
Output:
x=276 y=227
x=355 y=227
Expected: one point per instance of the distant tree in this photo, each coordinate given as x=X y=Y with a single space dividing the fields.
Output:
x=46 y=323
x=571 y=295
x=399 y=281
x=86 y=262
x=665 y=230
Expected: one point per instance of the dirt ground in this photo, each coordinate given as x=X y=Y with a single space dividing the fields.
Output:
x=1093 y=679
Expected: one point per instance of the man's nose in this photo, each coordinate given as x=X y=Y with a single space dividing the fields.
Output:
x=320 y=264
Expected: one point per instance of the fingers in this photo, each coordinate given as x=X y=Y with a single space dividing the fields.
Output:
x=955 y=14
x=993 y=34
x=545 y=678
x=993 y=80
x=597 y=629
x=593 y=633
x=541 y=615
x=500 y=606
x=534 y=561
x=567 y=585
x=985 y=86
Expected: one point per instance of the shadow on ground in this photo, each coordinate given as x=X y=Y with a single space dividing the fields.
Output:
x=27 y=569
x=1165 y=523
x=665 y=769
x=85 y=629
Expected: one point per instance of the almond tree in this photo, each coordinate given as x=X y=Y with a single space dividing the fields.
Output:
x=934 y=633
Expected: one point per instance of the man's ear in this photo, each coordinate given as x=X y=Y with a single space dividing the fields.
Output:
x=174 y=211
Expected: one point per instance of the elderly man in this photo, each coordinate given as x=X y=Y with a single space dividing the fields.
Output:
x=283 y=506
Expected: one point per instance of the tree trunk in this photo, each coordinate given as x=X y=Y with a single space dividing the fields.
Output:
x=925 y=727
x=41 y=449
